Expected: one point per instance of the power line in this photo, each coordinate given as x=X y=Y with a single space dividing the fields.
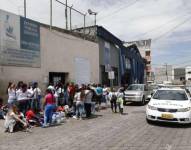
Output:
x=175 y=27
x=118 y=10
x=153 y=29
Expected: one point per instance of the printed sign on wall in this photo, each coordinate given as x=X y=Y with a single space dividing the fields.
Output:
x=30 y=34
x=20 y=41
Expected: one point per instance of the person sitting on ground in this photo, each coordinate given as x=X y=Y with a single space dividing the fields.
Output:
x=33 y=119
x=12 y=119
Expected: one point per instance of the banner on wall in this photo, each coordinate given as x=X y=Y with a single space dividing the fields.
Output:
x=19 y=41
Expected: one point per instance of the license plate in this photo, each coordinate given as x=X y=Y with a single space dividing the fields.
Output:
x=167 y=116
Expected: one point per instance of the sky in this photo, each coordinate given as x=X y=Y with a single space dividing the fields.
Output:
x=166 y=22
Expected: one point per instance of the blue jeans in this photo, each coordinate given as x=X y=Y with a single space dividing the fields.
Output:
x=79 y=109
x=1 y=114
x=48 y=112
x=36 y=104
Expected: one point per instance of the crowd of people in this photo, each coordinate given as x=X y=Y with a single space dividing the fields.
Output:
x=27 y=105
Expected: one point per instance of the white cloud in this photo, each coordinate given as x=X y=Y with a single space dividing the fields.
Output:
x=128 y=20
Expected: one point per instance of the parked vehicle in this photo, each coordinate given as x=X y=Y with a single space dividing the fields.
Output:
x=169 y=105
x=136 y=93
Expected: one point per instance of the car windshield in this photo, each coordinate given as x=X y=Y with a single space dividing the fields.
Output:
x=170 y=95
x=135 y=87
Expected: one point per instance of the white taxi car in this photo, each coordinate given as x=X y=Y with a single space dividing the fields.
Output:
x=169 y=105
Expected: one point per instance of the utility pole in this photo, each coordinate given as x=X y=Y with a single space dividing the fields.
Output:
x=66 y=14
x=166 y=71
x=50 y=14
x=25 y=9
x=71 y=17
x=84 y=25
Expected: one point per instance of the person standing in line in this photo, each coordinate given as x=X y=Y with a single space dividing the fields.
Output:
x=49 y=106
x=80 y=97
x=12 y=94
x=71 y=91
x=113 y=100
x=77 y=90
x=105 y=95
x=66 y=95
x=19 y=85
x=37 y=97
x=99 y=94
x=88 y=101
x=9 y=84
x=24 y=96
x=60 y=93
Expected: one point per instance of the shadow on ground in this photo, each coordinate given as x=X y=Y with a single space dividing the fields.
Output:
x=93 y=117
x=170 y=125
x=135 y=104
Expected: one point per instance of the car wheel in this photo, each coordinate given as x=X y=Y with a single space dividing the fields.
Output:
x=148 y=121
x=143 y=101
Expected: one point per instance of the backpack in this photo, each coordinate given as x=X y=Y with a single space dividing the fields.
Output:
x=113 y=97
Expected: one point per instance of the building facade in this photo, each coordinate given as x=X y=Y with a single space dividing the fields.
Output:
x=164 y=73
x=108 y=53
x=179 y=74
x=144 y=47
x=33 y=52
x=113 y=57
x=132 y=66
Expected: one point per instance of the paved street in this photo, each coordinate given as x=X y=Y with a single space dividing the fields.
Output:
x=107 y=131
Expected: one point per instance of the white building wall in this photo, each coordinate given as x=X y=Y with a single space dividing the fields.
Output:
x=58 y=53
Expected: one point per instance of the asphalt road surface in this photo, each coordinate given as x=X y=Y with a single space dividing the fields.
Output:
x=106 y=131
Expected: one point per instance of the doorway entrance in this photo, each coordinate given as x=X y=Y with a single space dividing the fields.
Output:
x=55 y=77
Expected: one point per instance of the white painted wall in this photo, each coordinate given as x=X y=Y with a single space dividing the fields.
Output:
x=58 y=53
